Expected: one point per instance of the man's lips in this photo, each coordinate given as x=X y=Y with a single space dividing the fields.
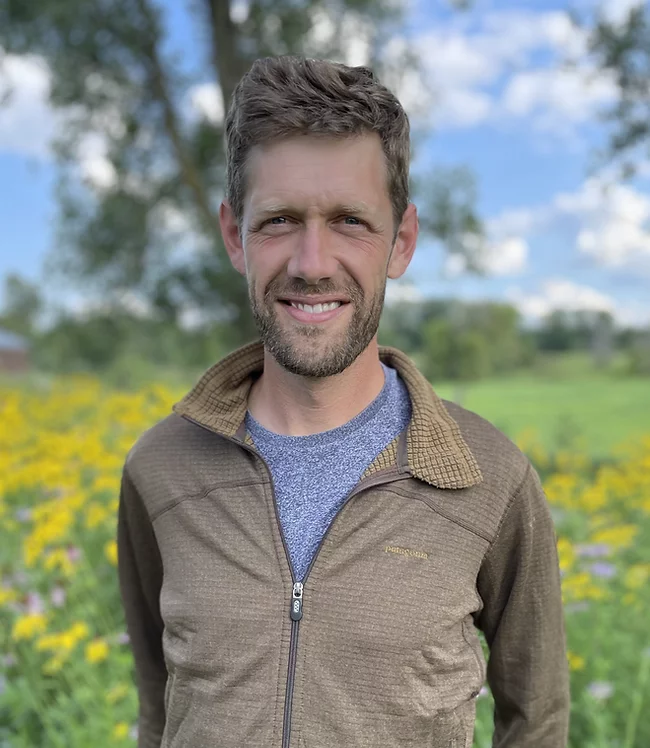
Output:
x=301 y=315
x=313 y=300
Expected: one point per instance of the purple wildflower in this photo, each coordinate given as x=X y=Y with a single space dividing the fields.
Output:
x=577 y=607
x=74 y=553
x=23 y=514
x=603 y=569
x=593 y=550
x=600 y=690
x=34 y=604
x=57 y=596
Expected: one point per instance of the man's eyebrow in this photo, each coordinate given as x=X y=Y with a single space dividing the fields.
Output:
x=347 y=208
x=274 y=208
x=353 y=208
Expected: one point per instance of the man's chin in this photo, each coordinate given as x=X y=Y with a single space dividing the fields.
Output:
x=306 y=357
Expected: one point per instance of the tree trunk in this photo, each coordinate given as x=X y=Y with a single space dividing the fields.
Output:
x=229 y=62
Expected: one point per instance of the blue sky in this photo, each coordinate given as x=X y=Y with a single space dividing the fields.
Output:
x=492 y=96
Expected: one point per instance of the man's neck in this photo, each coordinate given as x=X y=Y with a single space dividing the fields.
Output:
x=289 y=404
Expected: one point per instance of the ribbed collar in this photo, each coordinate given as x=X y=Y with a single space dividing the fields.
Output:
x=436 y=450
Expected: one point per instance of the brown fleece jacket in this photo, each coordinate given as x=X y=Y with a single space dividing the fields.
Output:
x=447 y=533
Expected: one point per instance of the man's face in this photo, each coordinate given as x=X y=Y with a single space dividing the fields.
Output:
x=318 y=230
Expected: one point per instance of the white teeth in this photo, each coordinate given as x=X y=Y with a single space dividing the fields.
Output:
x=317 y=308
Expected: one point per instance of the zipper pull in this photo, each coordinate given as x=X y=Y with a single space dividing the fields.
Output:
x=296 y=602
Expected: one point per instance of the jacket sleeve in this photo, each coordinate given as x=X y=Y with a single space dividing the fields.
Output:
x=523 y=622
x=140 y=580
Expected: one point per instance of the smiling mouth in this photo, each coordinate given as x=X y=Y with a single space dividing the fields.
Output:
x=313 y=313
x=314 y=308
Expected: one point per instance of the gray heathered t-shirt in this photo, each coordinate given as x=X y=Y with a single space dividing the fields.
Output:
x=313 y=474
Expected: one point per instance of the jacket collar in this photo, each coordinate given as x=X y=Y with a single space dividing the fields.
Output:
x=436 y=450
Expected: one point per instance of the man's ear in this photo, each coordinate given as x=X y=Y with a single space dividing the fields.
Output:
x=405 y=241
x=232 y=237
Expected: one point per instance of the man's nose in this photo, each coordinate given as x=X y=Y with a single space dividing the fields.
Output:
x=312 y=259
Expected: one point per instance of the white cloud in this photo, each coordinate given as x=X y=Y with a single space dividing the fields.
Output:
x=608 y=222
x=618 y=11
x=83 y=306
x=495 y=257
x=205 y=101
x=402 y=290
x=94 y=165
x=560 y=294
x=347 y=30
x=463 y=108
x=558 y=99
x=517 y=222
x=615 y=221
x=503 y=66
x=505 y=257
x=27 y=123
x=239 y=11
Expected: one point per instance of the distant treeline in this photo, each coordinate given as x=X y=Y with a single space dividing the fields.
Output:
x=449 y=339
x=466 y=341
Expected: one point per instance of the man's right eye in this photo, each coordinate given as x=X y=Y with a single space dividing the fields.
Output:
x=278 y=220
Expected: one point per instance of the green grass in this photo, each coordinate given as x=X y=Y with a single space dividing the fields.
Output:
x=602 y=410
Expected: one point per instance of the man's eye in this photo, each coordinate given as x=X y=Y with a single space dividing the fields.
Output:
x=351 y=221
x=278 y=220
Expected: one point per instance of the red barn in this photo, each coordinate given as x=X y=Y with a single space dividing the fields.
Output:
x=14 y=353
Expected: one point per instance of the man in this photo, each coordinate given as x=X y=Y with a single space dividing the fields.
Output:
x=310 y=542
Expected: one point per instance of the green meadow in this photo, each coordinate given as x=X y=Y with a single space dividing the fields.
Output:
x=565 y=401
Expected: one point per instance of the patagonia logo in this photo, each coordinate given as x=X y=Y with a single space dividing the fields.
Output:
x=406 y=552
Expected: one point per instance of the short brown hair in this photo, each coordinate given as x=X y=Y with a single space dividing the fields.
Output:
x=280 y=97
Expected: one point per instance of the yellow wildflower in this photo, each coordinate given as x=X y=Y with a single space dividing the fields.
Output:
x=117 y=693
x=95 y=515
x=110 y=549
x=637 y=576
x=576 y=662
x=581 y=587
x=54 y=664
x=7 y=595
x=28 y=626
x=621 y=536
x=59 y=559
x=566 y=554
x=96 y=651
x=120 y=731
x=79 y=630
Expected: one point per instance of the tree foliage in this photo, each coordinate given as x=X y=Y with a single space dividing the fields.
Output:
x=22 y=304
x=622 y=49
x=140 y=178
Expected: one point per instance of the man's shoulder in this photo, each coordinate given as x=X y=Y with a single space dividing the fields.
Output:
x=171 y=451
x=498 y=457
x=160 y=438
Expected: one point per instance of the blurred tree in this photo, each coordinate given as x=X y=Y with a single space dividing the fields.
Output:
x=622 y=48
x=464 y=342
x=21 y=306
x=584 y=330
x=639 y=355
x=142 y=172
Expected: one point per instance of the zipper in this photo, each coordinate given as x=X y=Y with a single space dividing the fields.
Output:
x=296 y=602
x=295 y=615
x=295 y=609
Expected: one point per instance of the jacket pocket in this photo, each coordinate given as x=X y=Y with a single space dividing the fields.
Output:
x=455 y=728
x=474 y=643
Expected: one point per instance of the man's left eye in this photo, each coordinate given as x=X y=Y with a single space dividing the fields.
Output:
x=352 y=221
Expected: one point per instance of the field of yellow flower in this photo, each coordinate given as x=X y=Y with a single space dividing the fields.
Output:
x=65 y=663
